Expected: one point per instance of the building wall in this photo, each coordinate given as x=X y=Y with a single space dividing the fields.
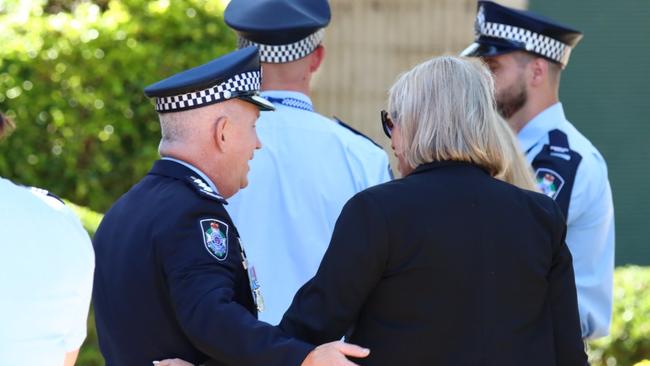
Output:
x=370 y=42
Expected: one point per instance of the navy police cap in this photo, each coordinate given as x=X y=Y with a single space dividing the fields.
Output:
x=284 y=30
x=234 y=75
x=500 y=30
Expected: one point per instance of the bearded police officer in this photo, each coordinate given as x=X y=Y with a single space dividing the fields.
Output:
x=172 y=278
x=310 y=165
x=527 y=54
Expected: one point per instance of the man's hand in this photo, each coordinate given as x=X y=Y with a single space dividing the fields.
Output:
x=172 y=362
x=333 y=354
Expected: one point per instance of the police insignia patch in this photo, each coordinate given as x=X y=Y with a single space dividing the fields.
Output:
x=215 y=238
x=549 y=182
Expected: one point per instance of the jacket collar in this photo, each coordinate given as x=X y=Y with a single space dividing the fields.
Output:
x=178 y=170
x=538 y=127
x=443 y=164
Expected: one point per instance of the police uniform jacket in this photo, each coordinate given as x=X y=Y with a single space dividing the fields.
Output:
x=570 y=170
x=308 y=168
x=170 y=280
x=447 y=266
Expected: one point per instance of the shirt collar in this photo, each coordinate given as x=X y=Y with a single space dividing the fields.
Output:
x=538 y=127
x=283 y=94
x=195 y=170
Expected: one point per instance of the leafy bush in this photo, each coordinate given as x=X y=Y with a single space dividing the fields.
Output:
x=89 y=354
x=73 y=83
x=89 y=218
x=629 y=339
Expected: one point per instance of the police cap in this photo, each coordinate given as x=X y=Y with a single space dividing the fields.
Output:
x=284 y=30
x=500 y=29
x=234 y=75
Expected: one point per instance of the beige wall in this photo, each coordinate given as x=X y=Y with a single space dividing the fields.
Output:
x=370 y=42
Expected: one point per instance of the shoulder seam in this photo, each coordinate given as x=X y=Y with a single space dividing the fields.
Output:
x=356 y=132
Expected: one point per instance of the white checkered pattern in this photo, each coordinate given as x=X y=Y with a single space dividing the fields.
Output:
x=535 y=42
x=248 y=81
x=279 y=54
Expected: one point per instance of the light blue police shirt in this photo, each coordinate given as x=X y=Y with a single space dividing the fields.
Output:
x=590 y=235
x=46 y=278
x=308 y=167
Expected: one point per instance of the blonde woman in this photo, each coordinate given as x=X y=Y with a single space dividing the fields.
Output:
x=448 y=265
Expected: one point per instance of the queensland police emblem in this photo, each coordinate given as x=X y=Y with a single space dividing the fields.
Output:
x=549 y=182
x=215 y=238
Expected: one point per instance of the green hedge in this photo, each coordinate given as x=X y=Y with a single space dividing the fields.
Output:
x=629 y=339
x=73 y=83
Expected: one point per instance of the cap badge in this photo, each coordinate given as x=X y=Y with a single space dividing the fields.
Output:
x=479 y=23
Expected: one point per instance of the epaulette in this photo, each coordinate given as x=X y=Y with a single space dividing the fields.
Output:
x=345 y=125
x=203 y=189
x=45 y=193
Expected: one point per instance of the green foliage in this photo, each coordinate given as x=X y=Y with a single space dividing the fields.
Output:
x=89 y=354
x=89 y=218
x=629 y=339
x=73 y=83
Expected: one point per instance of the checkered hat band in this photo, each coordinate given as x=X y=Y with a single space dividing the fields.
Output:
x=248 y=81
x=279 y=54
x=534 y=42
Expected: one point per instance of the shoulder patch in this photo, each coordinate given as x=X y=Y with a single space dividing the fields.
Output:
x=203 y=189
x=345 y=125
x=549 y=182
x=215 y=237
x=45 y=193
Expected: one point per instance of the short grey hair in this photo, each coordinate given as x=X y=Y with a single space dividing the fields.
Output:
x=173 y=127
x=446 y=110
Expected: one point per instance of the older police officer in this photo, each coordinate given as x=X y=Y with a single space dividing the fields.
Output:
x=171 y=275
x=527 y=54
x=310 y=165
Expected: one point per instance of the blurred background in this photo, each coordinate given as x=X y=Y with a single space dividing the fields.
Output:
x=72 y=75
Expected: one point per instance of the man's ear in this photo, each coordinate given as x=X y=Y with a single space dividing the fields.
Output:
x=317 y=58
x=538 y=71
x=220 y=130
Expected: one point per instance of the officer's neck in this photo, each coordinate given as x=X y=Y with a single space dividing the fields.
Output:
x=289 y=86
x=535 y=105
x=293 y=76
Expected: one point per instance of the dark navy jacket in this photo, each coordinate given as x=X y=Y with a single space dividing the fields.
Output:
x=170 y=282
x=446 y=267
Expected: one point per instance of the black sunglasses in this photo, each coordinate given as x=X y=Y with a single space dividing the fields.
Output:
x=387 y=123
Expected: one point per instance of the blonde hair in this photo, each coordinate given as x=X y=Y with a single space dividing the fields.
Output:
x=517 y=170
x=446 y=110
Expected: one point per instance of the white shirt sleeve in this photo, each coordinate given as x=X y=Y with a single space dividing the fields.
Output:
x=590 y=238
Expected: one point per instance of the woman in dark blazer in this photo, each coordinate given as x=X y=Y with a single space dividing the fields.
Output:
x=448 y=265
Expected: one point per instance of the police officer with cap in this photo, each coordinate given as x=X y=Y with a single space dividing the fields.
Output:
x=527 y=54
x=310 y=165
x=172 y=278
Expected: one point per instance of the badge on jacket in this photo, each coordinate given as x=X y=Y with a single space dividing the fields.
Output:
x=549 y=182
x=215 y=238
